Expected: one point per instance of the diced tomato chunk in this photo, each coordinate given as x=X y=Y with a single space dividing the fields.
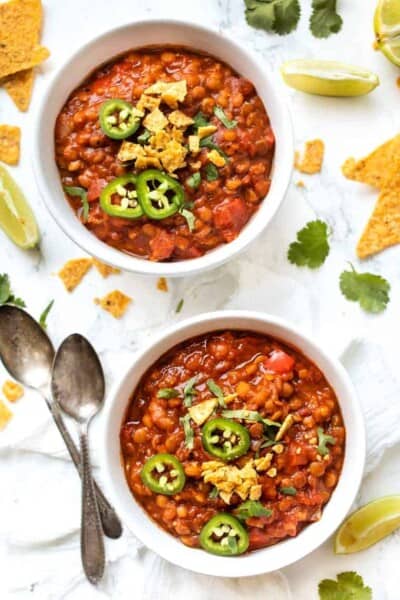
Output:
x=230 y=217
x=279 y=362
x=95 y=188
x=161 y=245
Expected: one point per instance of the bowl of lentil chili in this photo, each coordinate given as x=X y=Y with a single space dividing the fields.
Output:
x=234 y=445
x=160 y=158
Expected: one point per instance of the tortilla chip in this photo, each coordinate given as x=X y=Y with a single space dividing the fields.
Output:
x=105 y=270
x=10 y=138
x=19 y=87
x=147 y=103
x=5 y=415
x=215 y=157
x=194 y=144
x=311 y=161
x=173 y=157
x=162 y=284
x=383 y=227
x=171 y=92
x=179 y=119
x=13 y=391
x=74 y=271
x=376 y=168
x=116 y=303
x=206 y=130
x=155 y=121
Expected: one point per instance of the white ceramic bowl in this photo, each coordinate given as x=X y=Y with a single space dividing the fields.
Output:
x=104 y=48
x=259 y=561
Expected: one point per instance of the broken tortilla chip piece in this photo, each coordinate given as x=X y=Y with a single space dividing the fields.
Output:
x=179 y=119
x=162 y=284
x=10 y=138
x=155 y=121
x=376 y=168
x=311 y=161
x=116 y=303
x=13 y=391
x=105 y=270
x=171 y=92
x=383 y=227
x=19 y=87
x=5 y=415
x=74 y=271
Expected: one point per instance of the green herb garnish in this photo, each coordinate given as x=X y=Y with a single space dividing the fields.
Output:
x=144 y=137
x=324 y=19
x=207 y=142
x=6 y=295
x=370 y=291
x=167 y=393
x=249 y=415
x=73 y=190
x=179 y=306
x=348 y=586
x=288 y=491
x=200 y=120
x=211 y=172
x=43 y=316
x=189 y=391
x=252 y=508
x=323 y=441
x=189 y=433
x=213 y=494
x=194 y=181
x=278 y=16
x=216 y=390
x=189 y=216
x=220 y=114
x=311 y=247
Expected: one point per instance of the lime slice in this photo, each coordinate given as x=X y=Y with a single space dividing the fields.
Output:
x=16 y=217
x=328 y=78
x=368 y=525
x=387 y=29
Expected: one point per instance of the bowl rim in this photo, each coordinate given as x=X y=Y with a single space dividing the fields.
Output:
x=86 y=240
x=246 y=565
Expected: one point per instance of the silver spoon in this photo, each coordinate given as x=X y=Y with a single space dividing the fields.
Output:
x=78 y=386
x=27 y=353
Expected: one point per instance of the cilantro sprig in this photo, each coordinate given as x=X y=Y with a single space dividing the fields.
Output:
x=167 y=393
x=324 y=19
x=323 y=440
x=369 y=290
x=189 y=391
x=347 y=586
x=73 y=190
x=44 y=315
x=188 y=431
x=278 y=16
x=311 y=247
x=252 y=508
x=6 y=294
x=221 y=116
x=216 y=390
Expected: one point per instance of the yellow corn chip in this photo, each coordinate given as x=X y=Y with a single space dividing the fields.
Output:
x=173 y=157
x=19 y=87
x=116 y=303
x=74 y=271
x=103 y=269
x=13 y=391
x=155 y=121
x=375 y=168
x=162 y=284
x=215 y=157
x=179 y=119
x=311 y=161
x=5 y=415
x=10 y=138
x=383 y=227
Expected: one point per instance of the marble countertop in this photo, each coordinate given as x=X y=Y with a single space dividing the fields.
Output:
x=39 y=544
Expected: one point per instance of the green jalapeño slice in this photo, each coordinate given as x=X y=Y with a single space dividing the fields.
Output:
x=225 y=439
x=119 y=198
x=163 y=474
x=118 y=119
x=224 y=535
x=160 y=195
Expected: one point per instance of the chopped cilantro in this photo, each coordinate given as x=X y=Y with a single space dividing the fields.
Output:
x=371 y=291
x=349 y=586
x=144 y=137
x=179 y=306
x=324 y=19
x=200 y=120
x=311 y=247
x=44 y=315
x=279 y=16
x=73 y=190
x=189 y=391
x=194 y=180
x=220 y=114
x=189 y=434
x=6 y=295
x=211 y=172
x=323 y=441
x=249 y=415
x=167 y=393
x=216 y=390
x=189 y=216
x=268 y=443
x=252 y=508
x=214 y=493
x=288 y=491
x=207 y=142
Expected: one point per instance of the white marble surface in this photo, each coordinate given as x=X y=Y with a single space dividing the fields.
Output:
x=39 y=497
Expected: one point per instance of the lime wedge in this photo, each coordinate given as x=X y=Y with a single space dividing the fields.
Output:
x=328 y=78
x=16 y=217
x=387 y=29
x=368 y=525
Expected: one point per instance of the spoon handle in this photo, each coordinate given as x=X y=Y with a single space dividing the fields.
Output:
x=111 y=524
x=92 y=545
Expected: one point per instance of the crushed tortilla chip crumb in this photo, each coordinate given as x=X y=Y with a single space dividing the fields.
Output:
x=5 y=415
x=155 y=121
x=173 y=156
x=130 y=151
x=162 y=284
x=194 y=143
x=179 y=119
x=19 y=87
x=375 y=168
x=215 y=157
x=146 y=102
x=10 y=138
x=229 y=479
x=311 y=162
x=105 y=270
x=171 y=92
x=13 y=391
x=74 y=271
x=300 y=184
x=116 y=303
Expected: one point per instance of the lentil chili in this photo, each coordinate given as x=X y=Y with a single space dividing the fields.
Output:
x=231 y=166
x=286 y=407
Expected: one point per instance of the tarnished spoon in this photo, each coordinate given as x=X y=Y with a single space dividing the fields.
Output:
x=77 y=384
x=27 y=353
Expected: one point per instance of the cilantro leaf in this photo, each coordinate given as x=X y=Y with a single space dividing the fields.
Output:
x=323 y=441
x=214 y=493
x=167 y=393
x=16 y=301
x=189 y=216
x=216 y=390
x=179 y=306
x=211 y=172
x=200 y=120
x=189 y=391
x=6 y=295
x=252 y=508
x=144 y=137
x=207 y=142
x=279 y=16
x=73 y=190
x=371 y=291
x=221 y=116
x=194 y=180
x=189 y=433
x=288 y=491
x=349 y=586
x=44 y=315
x=324 y=19
x=311 y=247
